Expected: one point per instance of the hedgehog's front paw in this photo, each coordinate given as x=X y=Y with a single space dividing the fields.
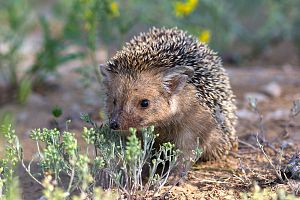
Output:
x=178 y=176
x=176 y=179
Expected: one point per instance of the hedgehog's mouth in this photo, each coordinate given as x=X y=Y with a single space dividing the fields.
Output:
x=127 y=133
x=124 y=125
x=125 y=129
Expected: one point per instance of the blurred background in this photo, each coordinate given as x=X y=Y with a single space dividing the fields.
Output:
x=50 y=51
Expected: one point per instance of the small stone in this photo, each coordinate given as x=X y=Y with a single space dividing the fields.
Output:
x=272 y=89
x=255 y=95
x=279 y=114
x=246 y=114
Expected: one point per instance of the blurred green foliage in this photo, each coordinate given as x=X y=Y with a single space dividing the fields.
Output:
x=76 y=29
x=57 y=111
x=6 y=119
x=255 y=24
x=23 y=91
x=8 y=164
x=14 y=18
x=51 y=54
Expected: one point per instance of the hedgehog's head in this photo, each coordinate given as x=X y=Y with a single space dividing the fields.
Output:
x=145 y=98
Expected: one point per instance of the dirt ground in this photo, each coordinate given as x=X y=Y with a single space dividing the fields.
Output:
x=213 y=180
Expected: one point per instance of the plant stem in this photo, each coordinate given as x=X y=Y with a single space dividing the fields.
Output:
x=71 y=180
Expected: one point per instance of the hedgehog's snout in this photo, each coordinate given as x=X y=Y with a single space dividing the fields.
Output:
x=113 y=124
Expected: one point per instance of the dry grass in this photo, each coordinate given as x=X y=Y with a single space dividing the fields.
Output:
x=233 y=177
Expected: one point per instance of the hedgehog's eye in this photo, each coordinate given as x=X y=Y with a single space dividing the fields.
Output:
x=114 y=101
x=144 y=103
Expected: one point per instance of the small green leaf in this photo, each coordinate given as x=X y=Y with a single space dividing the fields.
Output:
x=57 y=111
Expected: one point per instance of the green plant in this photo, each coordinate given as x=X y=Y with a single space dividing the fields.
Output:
x=17 y=18
x=15 y=23
x=136 y=157
x=57 y=111
x=8 y=164
x=133 y=159
x=124 y=162
x=6 y=119
x=12 y=192
x=24 y=90
x=88 y=24
x=52 y=54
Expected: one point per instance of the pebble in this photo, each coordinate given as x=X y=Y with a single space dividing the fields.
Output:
x=255 y=95
x=272 y=89
x=246 y=114
x=279 y=114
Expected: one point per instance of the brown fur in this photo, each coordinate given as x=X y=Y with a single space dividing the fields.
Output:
x=183 y=127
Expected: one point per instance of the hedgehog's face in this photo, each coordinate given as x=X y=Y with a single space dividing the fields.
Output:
x=149 y=99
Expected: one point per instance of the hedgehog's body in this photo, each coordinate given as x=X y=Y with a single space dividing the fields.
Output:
x=168 y=79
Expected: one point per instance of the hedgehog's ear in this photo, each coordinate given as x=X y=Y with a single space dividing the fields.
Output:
x=105 y=73
x=175 y=78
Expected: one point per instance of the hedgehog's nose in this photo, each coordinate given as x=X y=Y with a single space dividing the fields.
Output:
x=114 y=125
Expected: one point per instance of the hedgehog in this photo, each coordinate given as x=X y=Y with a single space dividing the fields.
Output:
x=168 y=79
